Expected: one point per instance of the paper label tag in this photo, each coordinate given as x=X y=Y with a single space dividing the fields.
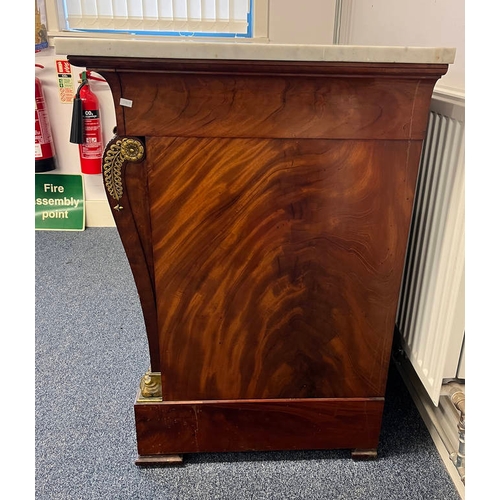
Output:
x=125 y=102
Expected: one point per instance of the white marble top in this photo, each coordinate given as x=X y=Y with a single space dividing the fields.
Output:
x=248 y=50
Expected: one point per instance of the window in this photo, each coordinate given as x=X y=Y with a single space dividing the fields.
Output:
x=215 y=18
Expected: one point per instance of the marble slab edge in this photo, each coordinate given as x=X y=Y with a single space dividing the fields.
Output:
x=234 y=50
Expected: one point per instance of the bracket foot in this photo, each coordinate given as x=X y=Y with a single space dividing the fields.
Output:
x=144 y=460
x=364 y=454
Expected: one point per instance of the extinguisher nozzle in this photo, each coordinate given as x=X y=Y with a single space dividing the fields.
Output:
x=76 y=135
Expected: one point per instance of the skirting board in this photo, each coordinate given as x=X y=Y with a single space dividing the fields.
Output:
x=98 y=214
x=437 y=420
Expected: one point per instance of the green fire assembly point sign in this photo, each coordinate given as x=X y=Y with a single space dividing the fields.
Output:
x=59 y=202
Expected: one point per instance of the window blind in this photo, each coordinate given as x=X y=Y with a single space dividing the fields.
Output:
x=192 y=16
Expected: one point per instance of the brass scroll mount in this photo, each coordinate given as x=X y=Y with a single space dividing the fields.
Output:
x=119 y=151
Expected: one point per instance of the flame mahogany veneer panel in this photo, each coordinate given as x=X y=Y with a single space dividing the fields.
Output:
x=279 y=264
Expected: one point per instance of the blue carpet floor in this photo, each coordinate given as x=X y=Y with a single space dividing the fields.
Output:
x=91 y=352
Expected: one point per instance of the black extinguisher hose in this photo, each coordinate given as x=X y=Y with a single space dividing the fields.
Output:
x=76 y=134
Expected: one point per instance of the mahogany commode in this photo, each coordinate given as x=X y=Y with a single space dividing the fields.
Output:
x=264 y=207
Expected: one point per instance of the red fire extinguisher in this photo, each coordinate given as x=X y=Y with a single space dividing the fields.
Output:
x=86 y=126
x=44 y=148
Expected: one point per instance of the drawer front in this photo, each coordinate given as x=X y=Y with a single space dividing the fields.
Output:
x=246 y=106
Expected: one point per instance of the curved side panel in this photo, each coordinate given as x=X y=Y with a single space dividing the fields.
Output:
x=127 y=191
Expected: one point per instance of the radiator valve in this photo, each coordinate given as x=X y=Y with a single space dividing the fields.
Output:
x=457 y=396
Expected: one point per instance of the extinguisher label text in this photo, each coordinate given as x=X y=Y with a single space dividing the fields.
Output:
x=92 y=148
x=91 y=114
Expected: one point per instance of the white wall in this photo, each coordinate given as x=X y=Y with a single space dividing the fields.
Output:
x=424 y=23
x=309 y=22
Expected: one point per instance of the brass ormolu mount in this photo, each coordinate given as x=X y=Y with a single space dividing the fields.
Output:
x=150 y=387
x=119 y=151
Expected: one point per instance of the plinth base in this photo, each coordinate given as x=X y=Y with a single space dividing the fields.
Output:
x=170 y=428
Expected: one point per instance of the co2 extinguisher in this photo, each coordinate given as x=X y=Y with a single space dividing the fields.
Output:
x=86 y=126
x=45 y=158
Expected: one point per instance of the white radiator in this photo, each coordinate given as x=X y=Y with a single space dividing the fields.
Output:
x=430 y=315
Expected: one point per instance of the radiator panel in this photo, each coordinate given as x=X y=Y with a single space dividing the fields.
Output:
x=431 y=307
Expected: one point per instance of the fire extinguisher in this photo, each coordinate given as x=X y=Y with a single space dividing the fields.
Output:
x=86 y=126
x=44 y=148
